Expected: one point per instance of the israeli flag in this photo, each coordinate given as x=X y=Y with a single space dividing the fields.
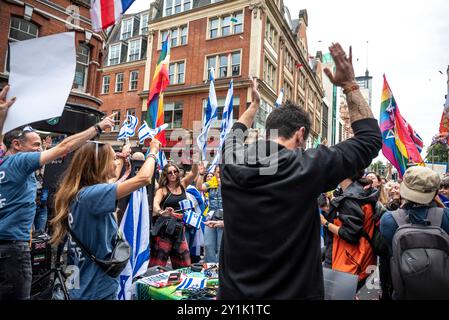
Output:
x=192 y=283
x=200 y=207
x=210 y=114
x=186 y=204
x=146 y=132
x=226 y=124
x=278 y=102
x=128 y=127
x=135 y=227
x=161 y=160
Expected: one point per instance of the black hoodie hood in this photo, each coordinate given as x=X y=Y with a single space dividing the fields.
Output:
x=357 y=192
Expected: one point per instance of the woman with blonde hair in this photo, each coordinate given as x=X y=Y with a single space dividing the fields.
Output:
x=85 y=203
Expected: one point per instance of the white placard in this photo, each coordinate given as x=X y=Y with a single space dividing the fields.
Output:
x=41 y=77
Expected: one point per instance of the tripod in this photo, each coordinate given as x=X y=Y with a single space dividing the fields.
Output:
x=57 y=273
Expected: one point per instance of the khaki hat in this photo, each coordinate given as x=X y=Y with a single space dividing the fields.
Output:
x=419 y=184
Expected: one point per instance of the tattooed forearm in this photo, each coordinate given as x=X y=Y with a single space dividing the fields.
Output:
x=358 y=107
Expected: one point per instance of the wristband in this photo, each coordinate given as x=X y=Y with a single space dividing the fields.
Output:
x=351 y=88
x=326 y=225
x=98 y=129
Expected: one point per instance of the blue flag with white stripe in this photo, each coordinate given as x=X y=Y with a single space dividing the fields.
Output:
x=210 y=114
x=226 y=123
x=135 y=227
x=128 y=127
x=280 y=98
x=192 y=283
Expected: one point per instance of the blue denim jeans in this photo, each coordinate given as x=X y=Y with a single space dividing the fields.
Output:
x=15 y=271
x=212 y=242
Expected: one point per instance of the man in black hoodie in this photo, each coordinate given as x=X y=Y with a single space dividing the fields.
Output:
x=271 y=243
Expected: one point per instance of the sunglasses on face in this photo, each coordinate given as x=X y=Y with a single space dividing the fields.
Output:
x=175 y=172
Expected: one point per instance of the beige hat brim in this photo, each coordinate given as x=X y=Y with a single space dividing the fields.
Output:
x=415 y=196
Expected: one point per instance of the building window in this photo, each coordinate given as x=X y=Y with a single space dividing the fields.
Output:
x=176 y=72
x=221 y=104
x=133 y=77
x=114 y=54
x=127 y=29
x=271 y=34
x=178 y=36
x=288 y=61
x=225 y=65
x=119 y=82
x=269 y=73
x=262 y=114
x=106 y=82
x=82 y=66
x=134 y=50
x=144 y=24
x=131 y=112
x=226 y=25
x=176 y=6
x=173 y=114
x=116 y=127
x=21 y=29
x=288 y=91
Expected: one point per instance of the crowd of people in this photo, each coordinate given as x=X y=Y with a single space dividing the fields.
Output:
x=265 y=209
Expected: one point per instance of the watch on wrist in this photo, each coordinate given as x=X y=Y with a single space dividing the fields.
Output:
x=326 y=225
x=98 y=129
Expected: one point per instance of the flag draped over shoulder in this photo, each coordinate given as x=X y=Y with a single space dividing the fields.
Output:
x=210 y=114
x=160 y=81
x=105 y=13
x=135 y=226
x=226 y=123
x=401 y=145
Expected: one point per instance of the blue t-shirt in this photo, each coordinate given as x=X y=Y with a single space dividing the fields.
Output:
x=18 y=195
x=388 y=225
x=92 y=220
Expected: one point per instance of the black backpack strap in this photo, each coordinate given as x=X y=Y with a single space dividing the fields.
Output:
x=82 y=246
x=435 y=216
x=401 y=217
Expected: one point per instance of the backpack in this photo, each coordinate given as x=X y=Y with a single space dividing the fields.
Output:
x=377 y=241
x=420 y=259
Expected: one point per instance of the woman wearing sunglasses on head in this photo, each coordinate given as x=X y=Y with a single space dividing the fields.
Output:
x=85 y=203
x=168 y=231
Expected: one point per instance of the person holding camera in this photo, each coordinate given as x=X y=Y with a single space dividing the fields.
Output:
x=93 y=229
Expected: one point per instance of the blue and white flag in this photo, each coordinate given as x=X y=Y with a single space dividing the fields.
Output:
x=128 y=127
x=146 y=132
x=135 y=227
x=186 y=204
x=210 y=114
x=161 y=160
x=192 y=283
x=199 y=206
x=278 y=102
x=226 y=124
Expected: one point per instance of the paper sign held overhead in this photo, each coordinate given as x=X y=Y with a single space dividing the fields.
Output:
x=41 y=77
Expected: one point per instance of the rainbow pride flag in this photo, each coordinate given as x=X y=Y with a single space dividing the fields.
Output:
x=401 y=145
x=155 y=104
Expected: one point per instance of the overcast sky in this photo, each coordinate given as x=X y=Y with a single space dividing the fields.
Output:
x=408 y=41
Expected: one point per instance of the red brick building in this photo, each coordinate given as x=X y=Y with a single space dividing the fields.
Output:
x=122 y=77
x=240 y=39
x=23 y=20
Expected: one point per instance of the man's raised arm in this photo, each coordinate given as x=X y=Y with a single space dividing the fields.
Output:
x=74 y=142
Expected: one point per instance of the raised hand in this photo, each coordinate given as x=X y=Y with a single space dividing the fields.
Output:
x=4 y=105
x=344 y=73
x=255 y=95
x=155 y=146
x=201 y=168
x=107 y=122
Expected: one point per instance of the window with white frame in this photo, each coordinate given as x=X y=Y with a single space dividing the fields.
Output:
x=82 y=66
x=134 y=50
x=114 y=54
x=225 y=65
x=144 y=23
x=226 y=25
x=176 y=72
x=21 y=29
x=119 y=82
x=178 y=36
x=106 y=83
x=173 y=114
x=176 y=6
x=271 y=34
x=262 y=114
x=116 y=127
x=133 y=78
x=127 y=29
x=221 y=104
x=269 y=73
